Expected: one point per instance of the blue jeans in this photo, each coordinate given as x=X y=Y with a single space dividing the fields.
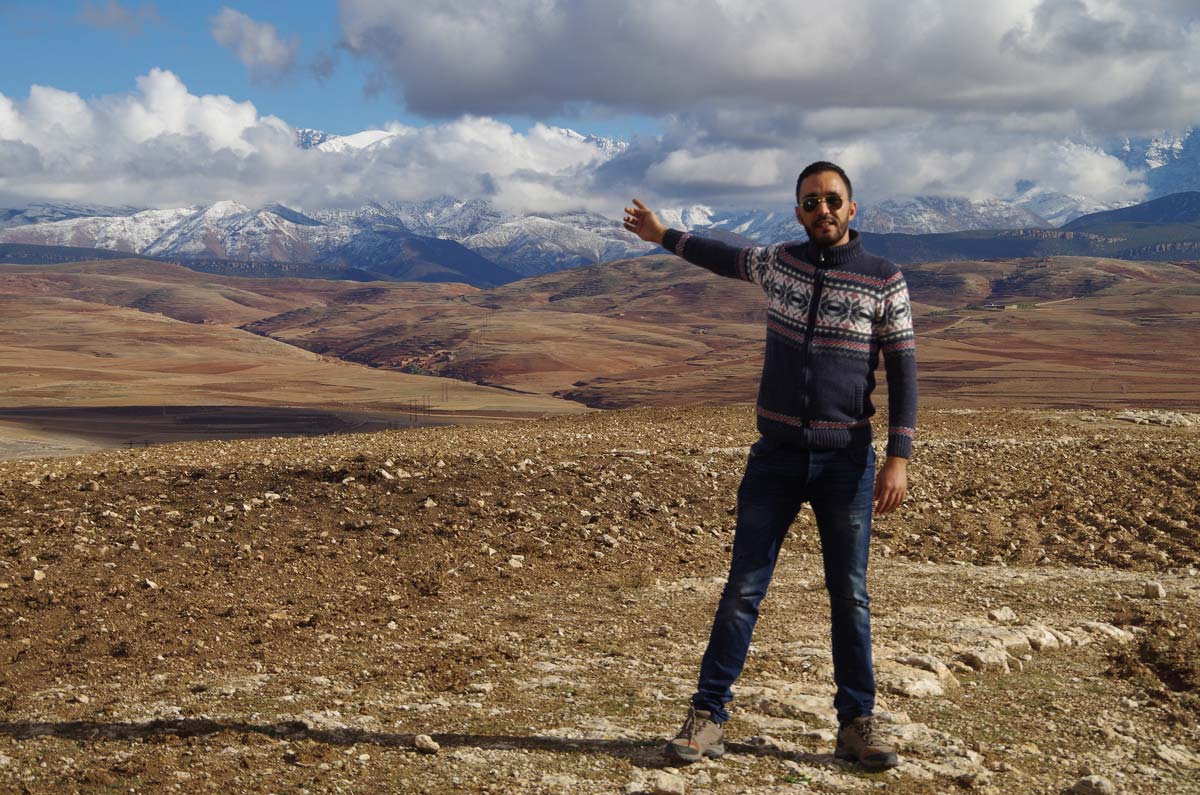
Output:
x=779 y=478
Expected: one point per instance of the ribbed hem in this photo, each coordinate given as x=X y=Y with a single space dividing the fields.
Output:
x=899 y=445
x=815 y=438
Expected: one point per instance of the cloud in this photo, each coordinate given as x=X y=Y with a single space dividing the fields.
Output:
x=322 y=66
x=163 y=146
x=112 y=15
x=937 y=56
x=257 y=45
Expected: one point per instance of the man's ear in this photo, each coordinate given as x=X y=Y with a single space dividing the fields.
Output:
x=799 y=218
x=853 y=210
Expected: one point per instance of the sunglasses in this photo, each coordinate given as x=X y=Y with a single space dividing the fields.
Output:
x=832 y=200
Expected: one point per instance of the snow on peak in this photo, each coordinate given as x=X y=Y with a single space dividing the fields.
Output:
x=366 y=139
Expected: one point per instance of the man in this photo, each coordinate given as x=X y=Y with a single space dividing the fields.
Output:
x=832 y=309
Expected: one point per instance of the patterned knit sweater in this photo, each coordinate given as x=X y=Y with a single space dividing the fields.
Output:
x=830 y=313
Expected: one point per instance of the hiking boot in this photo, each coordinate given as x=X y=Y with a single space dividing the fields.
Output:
x=698 y=737
x=859 y=741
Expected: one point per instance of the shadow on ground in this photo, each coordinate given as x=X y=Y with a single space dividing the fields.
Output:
x=642 y=753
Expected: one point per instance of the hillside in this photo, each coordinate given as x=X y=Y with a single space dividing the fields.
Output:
x=123 y=353
x=287 y=614
x=1064 y=331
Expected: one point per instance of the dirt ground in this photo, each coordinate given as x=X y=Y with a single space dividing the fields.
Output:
x=289 y=615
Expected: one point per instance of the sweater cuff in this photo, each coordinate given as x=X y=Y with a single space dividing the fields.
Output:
x=673 y=241
x=899 y=442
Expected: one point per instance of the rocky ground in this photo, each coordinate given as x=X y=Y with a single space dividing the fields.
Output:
x=522 y=608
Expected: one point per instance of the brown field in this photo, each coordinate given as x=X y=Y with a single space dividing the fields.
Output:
x=111 y=370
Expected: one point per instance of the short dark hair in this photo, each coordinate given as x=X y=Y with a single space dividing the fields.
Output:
x=820 y=167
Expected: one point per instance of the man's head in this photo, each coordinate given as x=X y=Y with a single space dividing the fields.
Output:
x=824 y=203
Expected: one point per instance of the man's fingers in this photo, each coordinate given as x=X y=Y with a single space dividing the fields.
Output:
x=889 y=500
x=639 y=204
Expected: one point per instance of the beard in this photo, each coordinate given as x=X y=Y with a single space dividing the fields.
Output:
x=827 y=230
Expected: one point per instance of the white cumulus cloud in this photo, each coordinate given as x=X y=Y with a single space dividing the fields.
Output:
x=163 y=146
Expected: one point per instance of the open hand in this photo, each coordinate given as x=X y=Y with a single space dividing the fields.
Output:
x=642 y=221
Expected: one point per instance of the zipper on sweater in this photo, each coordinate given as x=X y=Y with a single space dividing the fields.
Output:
x=813 y=306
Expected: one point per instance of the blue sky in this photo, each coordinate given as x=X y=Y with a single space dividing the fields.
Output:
x=721 y=102
x=94 y=60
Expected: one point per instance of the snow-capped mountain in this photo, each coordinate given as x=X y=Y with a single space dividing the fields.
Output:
x=365 y=140
x=607 y=147
x=225 y=230
x=307 y=138
x=45 y=212
x=447 y=218
x=1060 y=208
x=931 y=214
x=228 y=230
x=135 y=232
x=527 y=243
x=1171 y=161
x=535 y=244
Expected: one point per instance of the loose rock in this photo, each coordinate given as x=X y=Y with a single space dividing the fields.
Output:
x=664 y=783
x=1093 y=785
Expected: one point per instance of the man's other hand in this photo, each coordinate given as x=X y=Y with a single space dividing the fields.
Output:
x=891 y=484
x=642 y=221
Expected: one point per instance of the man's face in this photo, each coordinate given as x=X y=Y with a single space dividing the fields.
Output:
x=825 y=224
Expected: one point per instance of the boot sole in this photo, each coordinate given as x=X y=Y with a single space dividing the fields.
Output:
x=688 y=756
x=872 y=766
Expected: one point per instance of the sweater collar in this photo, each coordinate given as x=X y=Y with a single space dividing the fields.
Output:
x=834 y=256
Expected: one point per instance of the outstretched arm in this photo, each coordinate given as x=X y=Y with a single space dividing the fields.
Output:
x=718 y=257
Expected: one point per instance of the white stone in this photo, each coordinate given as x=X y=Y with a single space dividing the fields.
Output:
x=1108 y=630
x=1004 y=615
x=916 y=688
x=1155 y=590
x=1041 y=638
x=1093 y=785
x=665 y=783
x=927 y=662
x=426 y=744
x=799 y=707
x=994 y=660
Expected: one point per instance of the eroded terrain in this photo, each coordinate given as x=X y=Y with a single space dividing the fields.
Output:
x=288 y=615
